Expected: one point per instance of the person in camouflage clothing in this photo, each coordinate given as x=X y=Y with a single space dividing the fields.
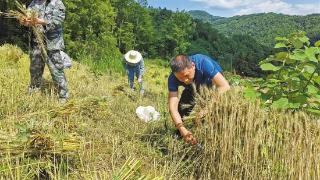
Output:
x=51 y=14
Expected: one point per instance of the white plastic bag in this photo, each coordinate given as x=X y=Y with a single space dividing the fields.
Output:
x=147 y=113
x=67 y=62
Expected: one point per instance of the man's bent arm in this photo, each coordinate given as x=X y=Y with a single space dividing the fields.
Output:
x=221 y=83
x=173 y=108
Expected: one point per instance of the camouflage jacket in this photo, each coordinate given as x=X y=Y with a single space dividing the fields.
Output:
x=53 y=12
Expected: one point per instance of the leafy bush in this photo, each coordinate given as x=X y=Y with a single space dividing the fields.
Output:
x=293 y=81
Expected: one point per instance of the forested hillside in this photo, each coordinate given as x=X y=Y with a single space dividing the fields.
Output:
x=264 y=27
x=98 y=32
x=204 y=16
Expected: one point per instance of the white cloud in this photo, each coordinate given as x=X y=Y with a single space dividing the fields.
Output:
x=280 y=7
x=267 y=6
x=242 y=7
x=307 y=8
x=228 y=4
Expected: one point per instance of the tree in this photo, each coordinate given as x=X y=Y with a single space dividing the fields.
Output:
x=134 y=27
x=173 y=32
x=89 y=29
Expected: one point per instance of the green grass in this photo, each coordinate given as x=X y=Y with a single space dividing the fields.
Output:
x=105 y=66
x=97 y=135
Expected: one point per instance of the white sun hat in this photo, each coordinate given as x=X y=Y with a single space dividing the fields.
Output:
x=133 y=57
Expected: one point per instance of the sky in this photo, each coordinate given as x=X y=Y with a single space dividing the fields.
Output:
x=228 y=8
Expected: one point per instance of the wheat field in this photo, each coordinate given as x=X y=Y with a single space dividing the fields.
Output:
x=96 y=135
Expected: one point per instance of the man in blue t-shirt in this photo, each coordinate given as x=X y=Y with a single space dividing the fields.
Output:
x=191 y=71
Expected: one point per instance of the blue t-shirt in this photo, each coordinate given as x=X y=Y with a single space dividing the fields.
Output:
x=206 y=68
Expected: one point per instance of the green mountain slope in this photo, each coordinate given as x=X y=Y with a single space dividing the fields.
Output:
x=265 y=27
x=203 y=15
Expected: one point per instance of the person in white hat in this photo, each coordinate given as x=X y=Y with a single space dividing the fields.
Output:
x=134 y=67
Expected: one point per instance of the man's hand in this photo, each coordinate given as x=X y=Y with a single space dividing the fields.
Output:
x=24 y=21
x=37 y=21
x=31 y=21
x=187 y=136
x=221 y=83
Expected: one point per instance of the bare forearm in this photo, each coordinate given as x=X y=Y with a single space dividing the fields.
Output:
x=173 y=107
x=176 y=118
x=221 y=83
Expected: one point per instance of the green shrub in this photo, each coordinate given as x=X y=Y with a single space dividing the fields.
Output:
x=293 y=81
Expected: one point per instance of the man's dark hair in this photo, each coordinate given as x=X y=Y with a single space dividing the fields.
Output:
x=179 y=63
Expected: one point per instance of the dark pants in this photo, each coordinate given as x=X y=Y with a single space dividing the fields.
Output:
x=187 y=102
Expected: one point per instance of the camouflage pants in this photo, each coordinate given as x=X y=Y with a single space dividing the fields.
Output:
x=55 y=65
